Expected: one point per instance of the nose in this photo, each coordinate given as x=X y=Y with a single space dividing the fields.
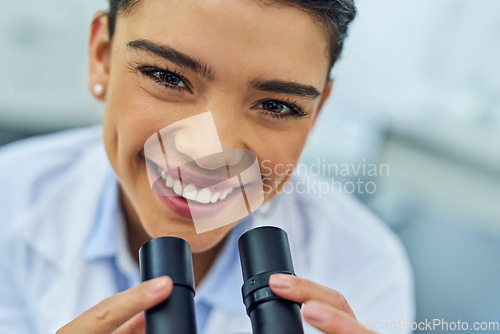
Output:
x=230 y=129
x=201 y=145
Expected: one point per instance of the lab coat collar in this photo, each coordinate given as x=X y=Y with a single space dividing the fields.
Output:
x=102 y=241
x=47 y=231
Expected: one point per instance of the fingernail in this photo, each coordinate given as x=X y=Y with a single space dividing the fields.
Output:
x=315 y=312
x=280 y=281
x=158 y=284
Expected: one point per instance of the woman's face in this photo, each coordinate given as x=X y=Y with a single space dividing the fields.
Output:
x=260 y=69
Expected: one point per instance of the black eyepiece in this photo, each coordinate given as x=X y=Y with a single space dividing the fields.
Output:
x=265 y=251
x=172 y=257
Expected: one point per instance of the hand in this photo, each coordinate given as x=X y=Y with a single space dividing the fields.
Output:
x=122 y=313
x=323 y=308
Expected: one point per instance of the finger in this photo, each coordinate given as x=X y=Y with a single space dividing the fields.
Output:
x=133 y=326
x=331 y=320
x=302 y=290
x=114 y=311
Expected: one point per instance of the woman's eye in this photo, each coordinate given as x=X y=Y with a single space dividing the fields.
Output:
x=169 y=79
x=275 y=106
x=165 y=78
x=280 y=109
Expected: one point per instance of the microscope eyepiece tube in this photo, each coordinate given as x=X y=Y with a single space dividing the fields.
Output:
x=265 y=251
x=172 y=257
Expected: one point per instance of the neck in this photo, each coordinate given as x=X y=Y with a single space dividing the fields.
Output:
x=202 y=262
x=136 y=237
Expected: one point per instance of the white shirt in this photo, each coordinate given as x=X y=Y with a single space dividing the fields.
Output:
x=63 y=246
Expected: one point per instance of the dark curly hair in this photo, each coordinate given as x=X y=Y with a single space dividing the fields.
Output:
x=336 y=15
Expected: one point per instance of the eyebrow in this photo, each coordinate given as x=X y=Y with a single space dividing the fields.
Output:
x=285 y=87
x=172 y=55
x=197 y=66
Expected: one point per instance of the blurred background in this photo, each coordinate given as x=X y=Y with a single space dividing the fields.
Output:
x=417 y=89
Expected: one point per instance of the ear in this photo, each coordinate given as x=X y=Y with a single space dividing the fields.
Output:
x=324 y=97
x=99 y=53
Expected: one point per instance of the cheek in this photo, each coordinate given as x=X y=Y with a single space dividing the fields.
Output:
x=277 y=160
x=132 y=116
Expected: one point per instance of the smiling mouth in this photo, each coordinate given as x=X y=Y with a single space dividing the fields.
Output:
x=192 y=192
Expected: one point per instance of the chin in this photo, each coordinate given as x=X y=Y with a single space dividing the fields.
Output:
x=199 y=242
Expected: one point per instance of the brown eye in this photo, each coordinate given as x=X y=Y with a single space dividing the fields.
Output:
x=276 y=107
x=280 y=109
x=169 y=79
x=165 y=78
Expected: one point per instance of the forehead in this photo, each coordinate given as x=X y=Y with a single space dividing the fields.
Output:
x=272 y=37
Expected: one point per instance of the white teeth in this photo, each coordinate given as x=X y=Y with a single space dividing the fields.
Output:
x=204 y=196
x=178 y=187
x=215 y=197
x=190 y=192
x=224 y=194
x=169 y=182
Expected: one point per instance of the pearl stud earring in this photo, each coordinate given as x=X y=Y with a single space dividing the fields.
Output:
x=98 y=89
